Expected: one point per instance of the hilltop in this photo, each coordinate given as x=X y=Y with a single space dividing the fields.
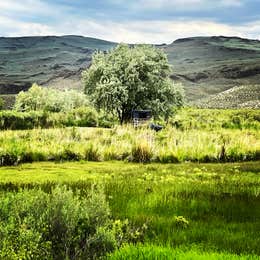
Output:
x=210 y=65
x=47 y=60
x=205 y=65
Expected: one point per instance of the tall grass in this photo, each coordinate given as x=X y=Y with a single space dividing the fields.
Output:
x=155 y=252
x=213 y=119
x=126 y=143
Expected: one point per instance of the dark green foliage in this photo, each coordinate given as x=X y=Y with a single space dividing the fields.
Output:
x=10 y=158
x=82 y=116
x=106 y=120
x=91 y=153
x=141 y=152
x=13 y=120
x=17 y=120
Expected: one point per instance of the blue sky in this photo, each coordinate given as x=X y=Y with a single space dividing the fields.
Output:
x=132 y=21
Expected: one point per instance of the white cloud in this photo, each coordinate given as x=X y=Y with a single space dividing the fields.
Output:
x=19 y=6
x=10 y=27
x=133 y=31
x=157 y=31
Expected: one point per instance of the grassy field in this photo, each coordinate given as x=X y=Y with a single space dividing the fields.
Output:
x=125 y=143
x=153 y=252
x=199 y=208
x=190 y=191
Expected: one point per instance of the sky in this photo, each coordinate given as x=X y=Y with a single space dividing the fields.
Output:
x=131 y=21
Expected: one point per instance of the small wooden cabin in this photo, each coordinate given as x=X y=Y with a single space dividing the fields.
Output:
x=141 y=117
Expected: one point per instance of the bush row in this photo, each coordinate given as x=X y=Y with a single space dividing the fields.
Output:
x=83 y=116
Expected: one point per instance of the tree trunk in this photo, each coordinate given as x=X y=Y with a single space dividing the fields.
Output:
x=124 y=116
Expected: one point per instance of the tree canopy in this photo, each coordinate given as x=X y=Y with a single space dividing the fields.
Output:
x=132 y=77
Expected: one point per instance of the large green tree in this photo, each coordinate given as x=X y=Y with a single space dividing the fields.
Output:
x=132 y=77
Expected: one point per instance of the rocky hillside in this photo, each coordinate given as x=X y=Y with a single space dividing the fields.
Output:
x=210 y=65
x=236 y=97
x=46 y=60
x=205 y=65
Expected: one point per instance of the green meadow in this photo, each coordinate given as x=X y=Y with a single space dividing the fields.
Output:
x=189 y=210
x=190 y=191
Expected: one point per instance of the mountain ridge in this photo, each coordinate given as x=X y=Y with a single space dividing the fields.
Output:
x=204 y=65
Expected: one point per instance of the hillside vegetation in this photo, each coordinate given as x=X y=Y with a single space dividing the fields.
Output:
x=236 y=97
x=205 y=65
x=25 y=60
x=210 y=65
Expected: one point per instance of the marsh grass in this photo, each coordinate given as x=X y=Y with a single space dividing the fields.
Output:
x=126 y=143
x=214 y=206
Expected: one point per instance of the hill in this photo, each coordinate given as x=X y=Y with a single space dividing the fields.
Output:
x=210 y=65
x=205 y=65
x=236 y=97
x=48 y=60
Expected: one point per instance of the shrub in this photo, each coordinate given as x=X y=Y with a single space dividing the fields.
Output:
x=8 y=159
x=17 y=120
x=181 y=222
x=38 y=98
x=70 y=154
x=106 y=120
x=14 y=120
x=82 y=116
x=59 y=225
x=126 y=233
